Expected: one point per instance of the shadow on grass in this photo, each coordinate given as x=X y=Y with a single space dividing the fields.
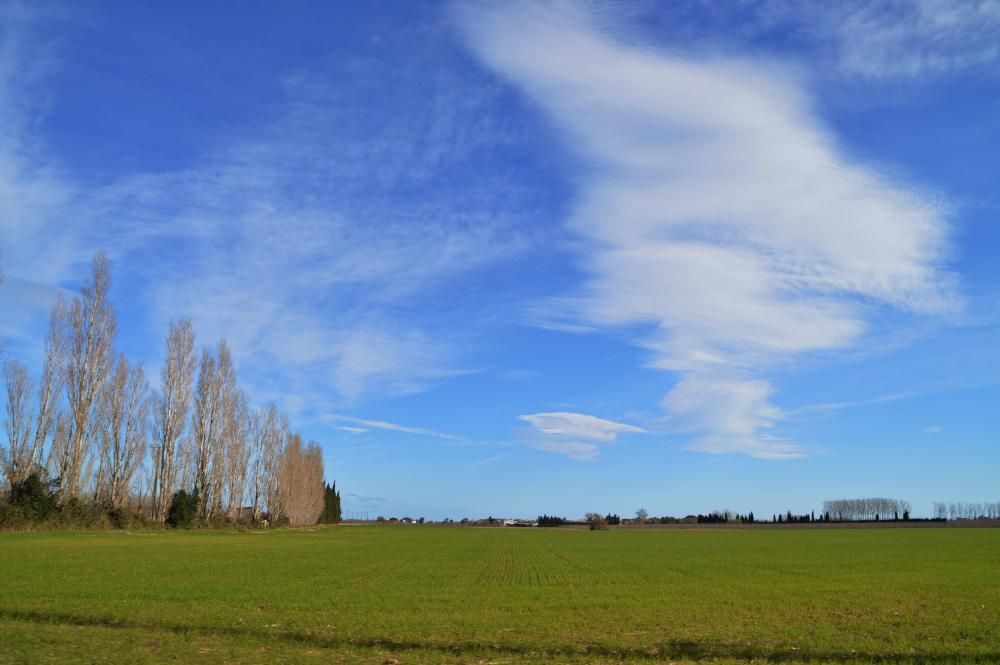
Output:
x=668 y=650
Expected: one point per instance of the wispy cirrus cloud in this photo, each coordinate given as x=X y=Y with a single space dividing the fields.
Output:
x=872 y=41
x=576 y=435
x=311 y=238
x=909 y=39
x=385 y=425
x=723 y=229
x=34 y=194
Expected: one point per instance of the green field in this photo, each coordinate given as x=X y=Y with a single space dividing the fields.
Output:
x=439 y=594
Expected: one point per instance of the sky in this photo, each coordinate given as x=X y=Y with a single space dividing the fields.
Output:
x=518 y=258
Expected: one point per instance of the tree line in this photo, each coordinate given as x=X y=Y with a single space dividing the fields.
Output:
x=90 y=428
x=868 y=509
x=967 y=511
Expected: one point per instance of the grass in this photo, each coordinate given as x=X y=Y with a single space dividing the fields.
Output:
x=439 y=594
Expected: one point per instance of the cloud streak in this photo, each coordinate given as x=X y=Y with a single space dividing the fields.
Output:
x=722 y=227
x=384 y=425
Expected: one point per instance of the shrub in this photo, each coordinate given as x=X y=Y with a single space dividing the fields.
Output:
x=34 y=497
x=81 y=513
x=183 y=509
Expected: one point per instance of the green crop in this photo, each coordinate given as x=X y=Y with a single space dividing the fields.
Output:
x=502 y=595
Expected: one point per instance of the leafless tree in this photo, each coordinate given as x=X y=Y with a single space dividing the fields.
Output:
x=275 y=439
x=50 y=385
x=641 y=516
x=215 y=402
x=58 y=459
x=228 y=426
x=89 y=331
x=170 y=410
x=124 y=427
x=206 y=424
x=301 y=481
x=257 y=479
x=236 y=443
x=268 y=434
x=16 y=458
x=973 y=510
x=227 y=454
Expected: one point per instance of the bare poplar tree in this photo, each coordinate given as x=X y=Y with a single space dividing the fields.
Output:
x=50 y=385
x=185 y=465
x=170 y=410
x=16 y=458
x=274 y=435
x=258 y=484
x=236 y=442
x=89 y=333
x=124 y=420
x=58 y=460
x=311 y=485
x=227 y=406
x=301 y=481
x=205 y=425
x=215 y=401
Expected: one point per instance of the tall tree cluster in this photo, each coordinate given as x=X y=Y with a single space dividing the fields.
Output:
x=332 y=513
x=92 y=423
x=842 y=510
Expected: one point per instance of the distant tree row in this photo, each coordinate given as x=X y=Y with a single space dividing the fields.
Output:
x=845 y=510
x=92 y=424
x=967 y=511
x=551 y=520
x=789 y=518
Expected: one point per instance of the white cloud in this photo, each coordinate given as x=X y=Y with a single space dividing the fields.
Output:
x=723 y=228
x=933 y=429
x=576 y=435
x=735 y=411
x=353 y=430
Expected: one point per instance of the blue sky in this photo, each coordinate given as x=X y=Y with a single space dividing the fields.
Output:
x=512 y=258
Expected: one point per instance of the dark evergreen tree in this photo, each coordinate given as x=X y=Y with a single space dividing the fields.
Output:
x=331 y=505
x=183 y=509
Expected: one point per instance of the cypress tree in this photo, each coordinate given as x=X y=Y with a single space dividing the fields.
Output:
x=331 y=505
